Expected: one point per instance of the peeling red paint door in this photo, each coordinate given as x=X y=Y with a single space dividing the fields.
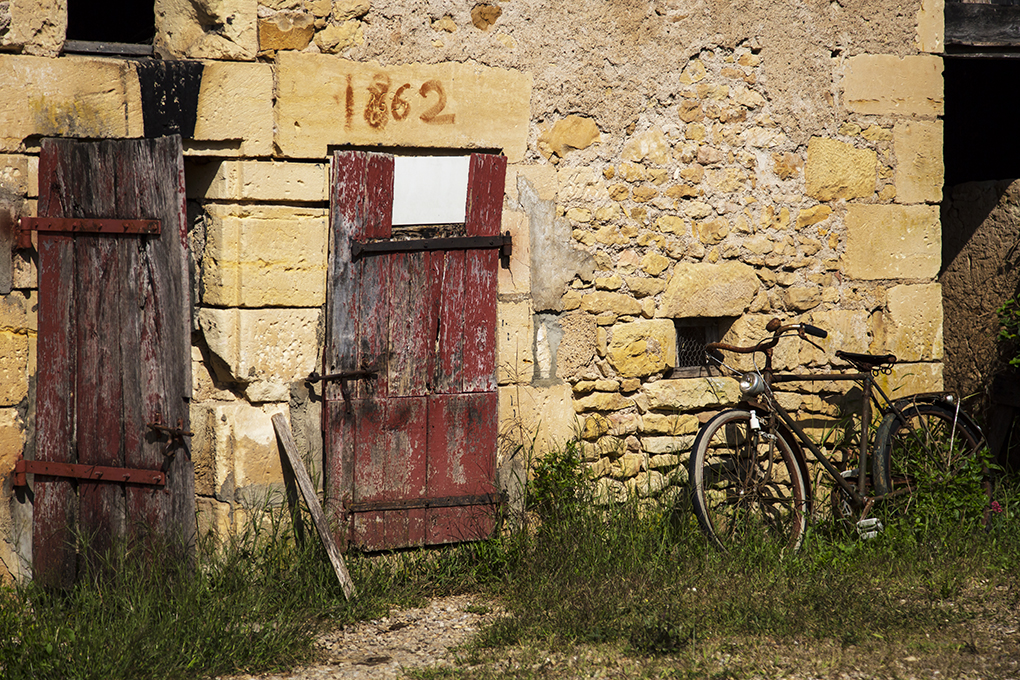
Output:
x=410 y=451
x=113 y=350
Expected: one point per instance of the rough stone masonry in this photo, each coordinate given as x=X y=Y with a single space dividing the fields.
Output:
x=673 y=165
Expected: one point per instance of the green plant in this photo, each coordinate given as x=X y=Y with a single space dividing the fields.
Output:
x=1009 y=331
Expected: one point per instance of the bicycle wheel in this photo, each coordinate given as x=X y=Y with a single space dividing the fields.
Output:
x=922 y=452
x=745 y=484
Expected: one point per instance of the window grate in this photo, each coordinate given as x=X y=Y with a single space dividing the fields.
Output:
x=690 y=344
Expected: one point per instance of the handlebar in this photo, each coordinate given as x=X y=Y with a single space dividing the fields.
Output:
x=777 y=329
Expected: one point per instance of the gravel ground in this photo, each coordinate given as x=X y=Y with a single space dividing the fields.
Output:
x=406 y=639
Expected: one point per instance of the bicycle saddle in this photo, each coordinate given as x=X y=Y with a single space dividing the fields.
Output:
x=866 y=360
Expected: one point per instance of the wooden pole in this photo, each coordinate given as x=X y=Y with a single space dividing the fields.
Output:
x=286 y=440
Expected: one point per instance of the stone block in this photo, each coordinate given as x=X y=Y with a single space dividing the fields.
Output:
x=515 y=343
x=669 y=424
x=576 y=350
x=698 y=290
x=14 y=367
x=11 y=440
x=67 y=97
x=324 y=100
x=838 y=170
x=602 y=401
x=258 y=181
x=286 y=31
x=516 y=279
x=617 y=303
x=235 y=102
x=892 y=241
x=225 y=30
x=667 y=445
x=642 y=348
x=19 y=312
x=213 y=517
x=581 y=184
x=542 y=179
x=650 y=146
x=572 y=132
x=539 y=415
x=234 y=447
x=882 y=84
x=276 y=345
x=911 y=328
x=265 y=256
x=337 y=37
x=847 y=329
x=15 y=174
x=691 y=393
x=931 y=26
x=907 y=379
x=35 y=27
x=919 y=168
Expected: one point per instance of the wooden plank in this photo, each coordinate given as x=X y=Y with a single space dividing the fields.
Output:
x=286 y=440
x=461 y=462
x=55 y=504
x=982 y=25
x=412 y=335
x=390 y=462
x=450 y=352
x=373 y=308
x=486 y=178
x=338 y=466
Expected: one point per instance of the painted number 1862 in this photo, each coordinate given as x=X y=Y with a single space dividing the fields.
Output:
x=381 y=106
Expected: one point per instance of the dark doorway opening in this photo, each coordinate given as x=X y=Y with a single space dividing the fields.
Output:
x=118 y=21
x=982 y=141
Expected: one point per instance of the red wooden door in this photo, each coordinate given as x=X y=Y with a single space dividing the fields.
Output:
x=114 y=349
x=410 y=449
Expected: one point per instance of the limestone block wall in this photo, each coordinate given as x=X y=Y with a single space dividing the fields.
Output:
x=673 y=176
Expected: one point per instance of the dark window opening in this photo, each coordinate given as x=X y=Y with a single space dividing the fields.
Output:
x=982 y=141
x=691 y=337
x=111 y=21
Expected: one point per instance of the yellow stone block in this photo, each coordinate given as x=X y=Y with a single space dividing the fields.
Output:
x=323 y=100
x=892 y=241
x=265 y=256
x=907 y=379
x=224 y=30
x=708 y=290
x=642 y=348
x=36 y=27
x=542 y=416
x=920 y=170
x=888 y=85
x=276 y=345
x=572 y=132
x=14 y=363
x=911 y=328
x=67 y=97
x=235 y=102
x=516 y=279
x=258 y=181
x=691 y=393
x=838 y=170
x=617 y=303
x=515 y=343
x=931 y=26
x=542 y=178
x=19 y=311
x=11 y=440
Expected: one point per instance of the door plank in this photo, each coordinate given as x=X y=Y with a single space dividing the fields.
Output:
x=412 y=332
x=462 y=462
x=452 y=309
x=390 y=462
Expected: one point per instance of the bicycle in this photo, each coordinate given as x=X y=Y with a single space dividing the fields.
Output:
x=748 y=473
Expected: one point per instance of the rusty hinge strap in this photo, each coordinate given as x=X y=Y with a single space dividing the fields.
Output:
x=82 y=225
x=343 y=377
x=92 y=473
x=362 y=248
x=418 y=503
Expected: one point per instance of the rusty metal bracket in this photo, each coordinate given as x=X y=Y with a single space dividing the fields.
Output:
x=419 y=503
x=503 y=242
x=343 y=377
x=92 y=473
x=81 y=225
x=176 y=436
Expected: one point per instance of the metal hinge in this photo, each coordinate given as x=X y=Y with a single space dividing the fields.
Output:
x=81 y=225
x=92 y=473
x=504 y=243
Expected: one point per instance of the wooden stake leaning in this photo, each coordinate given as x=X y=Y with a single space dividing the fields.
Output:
x=286 y=439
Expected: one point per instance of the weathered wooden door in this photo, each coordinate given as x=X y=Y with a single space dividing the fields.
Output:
x=113 y=349
x=411 y=431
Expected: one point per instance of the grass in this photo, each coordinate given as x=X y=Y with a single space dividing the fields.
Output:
x=623 y=590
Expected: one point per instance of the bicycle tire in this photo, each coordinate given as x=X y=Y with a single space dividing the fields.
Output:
x=931 y=446
x=743 y=488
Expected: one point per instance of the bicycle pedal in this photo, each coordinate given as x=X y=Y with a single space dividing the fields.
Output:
x=869 y=528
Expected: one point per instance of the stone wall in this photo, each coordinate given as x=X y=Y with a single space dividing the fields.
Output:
x=669 y=164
